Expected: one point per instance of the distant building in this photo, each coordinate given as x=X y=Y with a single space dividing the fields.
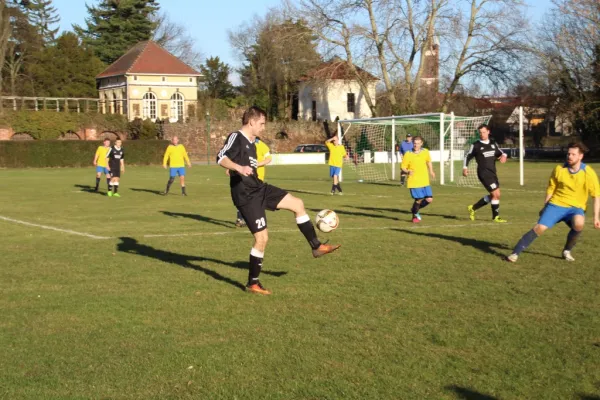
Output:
x=430 y=77
x=149 y=82
x=332 y=90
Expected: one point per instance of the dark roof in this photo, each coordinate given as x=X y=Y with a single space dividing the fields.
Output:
x=148 y=58
x=336 y=69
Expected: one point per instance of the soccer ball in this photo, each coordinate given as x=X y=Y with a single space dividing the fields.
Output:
x=327 y=220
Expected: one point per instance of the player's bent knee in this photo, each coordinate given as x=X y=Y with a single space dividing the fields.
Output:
x=260 y=240
x=539 y=229
x=429 y=199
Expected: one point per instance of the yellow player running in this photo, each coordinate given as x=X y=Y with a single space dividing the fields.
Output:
x=177 y=157
x=567 y=194
x=263 y=156
x=101 y=163
x=417 y=165
x=337 y=154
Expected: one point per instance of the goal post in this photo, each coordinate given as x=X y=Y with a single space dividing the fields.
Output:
x=371 y=145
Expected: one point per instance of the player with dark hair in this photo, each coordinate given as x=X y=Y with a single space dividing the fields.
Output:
x=567 y=194
x=486 y=152
x=405 y=147
x=417 y=165
x=100 y=163
x=252 y=197
x=177 y=157
x=116 y=166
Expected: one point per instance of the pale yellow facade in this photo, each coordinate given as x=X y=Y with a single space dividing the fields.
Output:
x=157 y=97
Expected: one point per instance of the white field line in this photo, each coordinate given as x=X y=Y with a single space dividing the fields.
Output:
x=377 y=228
x=52 y=228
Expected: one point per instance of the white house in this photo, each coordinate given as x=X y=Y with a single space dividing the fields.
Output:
x=533 y=116
x=332 y=90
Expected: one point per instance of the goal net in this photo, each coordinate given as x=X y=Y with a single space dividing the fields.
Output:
x=373 y=145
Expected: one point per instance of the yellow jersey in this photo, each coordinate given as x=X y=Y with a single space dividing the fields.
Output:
x=262 y=153
x=417 y=162
x=101 y=155
x=572 y=189
x=336 y=154
x=176 y=155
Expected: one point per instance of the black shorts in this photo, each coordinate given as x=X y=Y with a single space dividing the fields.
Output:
x=253 y=212
x=489 y=180
x=115 y=170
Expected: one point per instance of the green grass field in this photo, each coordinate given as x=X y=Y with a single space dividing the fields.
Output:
x=142 y=297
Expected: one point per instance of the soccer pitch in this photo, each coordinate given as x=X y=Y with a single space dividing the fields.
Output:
x=141 y=297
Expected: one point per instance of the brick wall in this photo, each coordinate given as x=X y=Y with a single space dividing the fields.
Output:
x=194 y=136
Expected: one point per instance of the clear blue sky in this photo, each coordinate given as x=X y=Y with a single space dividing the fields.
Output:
x=209 y=21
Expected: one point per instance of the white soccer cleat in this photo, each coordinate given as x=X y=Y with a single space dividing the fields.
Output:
x=567 y=255
x=512 y=258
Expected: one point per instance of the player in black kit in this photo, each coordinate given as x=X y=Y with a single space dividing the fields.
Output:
x=486 y=152
x=116 y=165
x=252 y=197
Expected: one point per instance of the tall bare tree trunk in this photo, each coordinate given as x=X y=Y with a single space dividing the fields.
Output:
x=4 y=36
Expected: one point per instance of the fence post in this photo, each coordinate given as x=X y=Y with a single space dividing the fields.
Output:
x=208 y=138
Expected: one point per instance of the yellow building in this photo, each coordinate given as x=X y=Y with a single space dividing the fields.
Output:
x=149 y=82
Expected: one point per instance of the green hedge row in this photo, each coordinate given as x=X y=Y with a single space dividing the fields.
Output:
x=74 y=153
x=51 y=124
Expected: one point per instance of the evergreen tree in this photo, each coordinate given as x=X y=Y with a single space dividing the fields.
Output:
x=66 y=69
x=114 y=26
x=283 y=51
x=216 y=79
x=43 y=16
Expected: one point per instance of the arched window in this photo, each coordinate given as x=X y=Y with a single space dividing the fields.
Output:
x=149 y=106
x=177 y=106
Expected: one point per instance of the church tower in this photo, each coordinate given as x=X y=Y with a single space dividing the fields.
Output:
x=430 y=77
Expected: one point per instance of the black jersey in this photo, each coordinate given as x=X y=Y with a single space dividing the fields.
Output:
x=115 y=156
x=485 y=153
x=239 y=149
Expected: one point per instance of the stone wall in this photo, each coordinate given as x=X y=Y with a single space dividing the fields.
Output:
x=282 y=137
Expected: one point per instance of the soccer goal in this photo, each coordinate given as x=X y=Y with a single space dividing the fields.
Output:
x=371 y=145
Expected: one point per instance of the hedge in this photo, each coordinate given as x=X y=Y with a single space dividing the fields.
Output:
x=51 y=124
x=74 y=153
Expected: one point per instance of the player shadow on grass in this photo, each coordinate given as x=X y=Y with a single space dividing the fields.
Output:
x=90 y=189
x=358 y=214
x=308 y=192
x=158 y=192
x=588 y=396
x=408 y=212
x=468 y=394
x=201 y=218
x=132 y=246
x=484 y=246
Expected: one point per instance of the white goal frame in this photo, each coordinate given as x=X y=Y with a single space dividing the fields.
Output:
x=447 y=136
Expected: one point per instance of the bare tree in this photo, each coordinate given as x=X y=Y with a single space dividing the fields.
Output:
x=13 y=63
x=175 y=38
x=5 y=30
x=486 y=43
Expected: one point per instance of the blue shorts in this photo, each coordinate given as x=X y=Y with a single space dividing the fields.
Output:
x=102 y=170
x=421 y=193
x=554 y=214
x=333 y=171
x=177 y=171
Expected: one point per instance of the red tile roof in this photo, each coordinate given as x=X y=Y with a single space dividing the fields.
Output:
x=148 y=58
x=336 y=69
